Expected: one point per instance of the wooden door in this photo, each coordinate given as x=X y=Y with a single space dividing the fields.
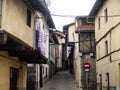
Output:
x=13 y=78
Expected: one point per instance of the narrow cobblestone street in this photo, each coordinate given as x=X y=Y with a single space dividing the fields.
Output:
x=61 y=81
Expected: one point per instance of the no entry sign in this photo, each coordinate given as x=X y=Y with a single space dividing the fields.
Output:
x=87 y=66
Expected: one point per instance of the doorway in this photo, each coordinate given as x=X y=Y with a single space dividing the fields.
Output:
x=13 y=78
x=100 y=81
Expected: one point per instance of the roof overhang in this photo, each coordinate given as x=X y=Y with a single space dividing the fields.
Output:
x=53 y=37
x=17 y=48
x=37 y=5
x=84 y=31
x=41 y=6
x=65 y=28
x=60 y=34
x=81 y=17
x=95 y=9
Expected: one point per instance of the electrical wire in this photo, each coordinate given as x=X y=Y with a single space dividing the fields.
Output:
x=72 y=16
x=83 y=15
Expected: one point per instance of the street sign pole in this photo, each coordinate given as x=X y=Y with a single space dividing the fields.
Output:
x=87 y=68
x=87 y=83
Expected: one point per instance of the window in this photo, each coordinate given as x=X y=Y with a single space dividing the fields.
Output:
x=28 y=18
x=100 y=81
x=106 y=47
x=108 y=81
x=46 y=72
x=106 y=15
x=80 y=22
x=99 y=23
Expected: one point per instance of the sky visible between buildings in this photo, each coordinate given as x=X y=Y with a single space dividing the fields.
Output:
x=64 y=11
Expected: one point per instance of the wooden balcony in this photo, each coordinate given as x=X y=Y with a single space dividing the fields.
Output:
x=17 y=48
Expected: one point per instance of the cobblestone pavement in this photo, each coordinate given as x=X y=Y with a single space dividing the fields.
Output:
x=60 y=81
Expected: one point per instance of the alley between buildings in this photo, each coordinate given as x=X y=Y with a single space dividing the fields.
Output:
x=60 y=81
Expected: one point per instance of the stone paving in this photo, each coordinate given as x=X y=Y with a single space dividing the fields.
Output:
x=60 y=81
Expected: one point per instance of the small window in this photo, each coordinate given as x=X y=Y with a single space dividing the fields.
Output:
x=106 y=15
x=108 y=81
x=28 y=18
x=46 y=72
x=106 y=47
x=99 y=23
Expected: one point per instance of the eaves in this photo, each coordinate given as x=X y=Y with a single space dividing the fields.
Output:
x=41 y=6
x=95 y=9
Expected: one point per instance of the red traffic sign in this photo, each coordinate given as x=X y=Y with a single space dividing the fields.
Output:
x=86 y=66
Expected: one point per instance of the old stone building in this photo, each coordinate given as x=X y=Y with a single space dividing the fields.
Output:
x=81 y=50
x=105 y=14
x=87 y=53
x=18 y=41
